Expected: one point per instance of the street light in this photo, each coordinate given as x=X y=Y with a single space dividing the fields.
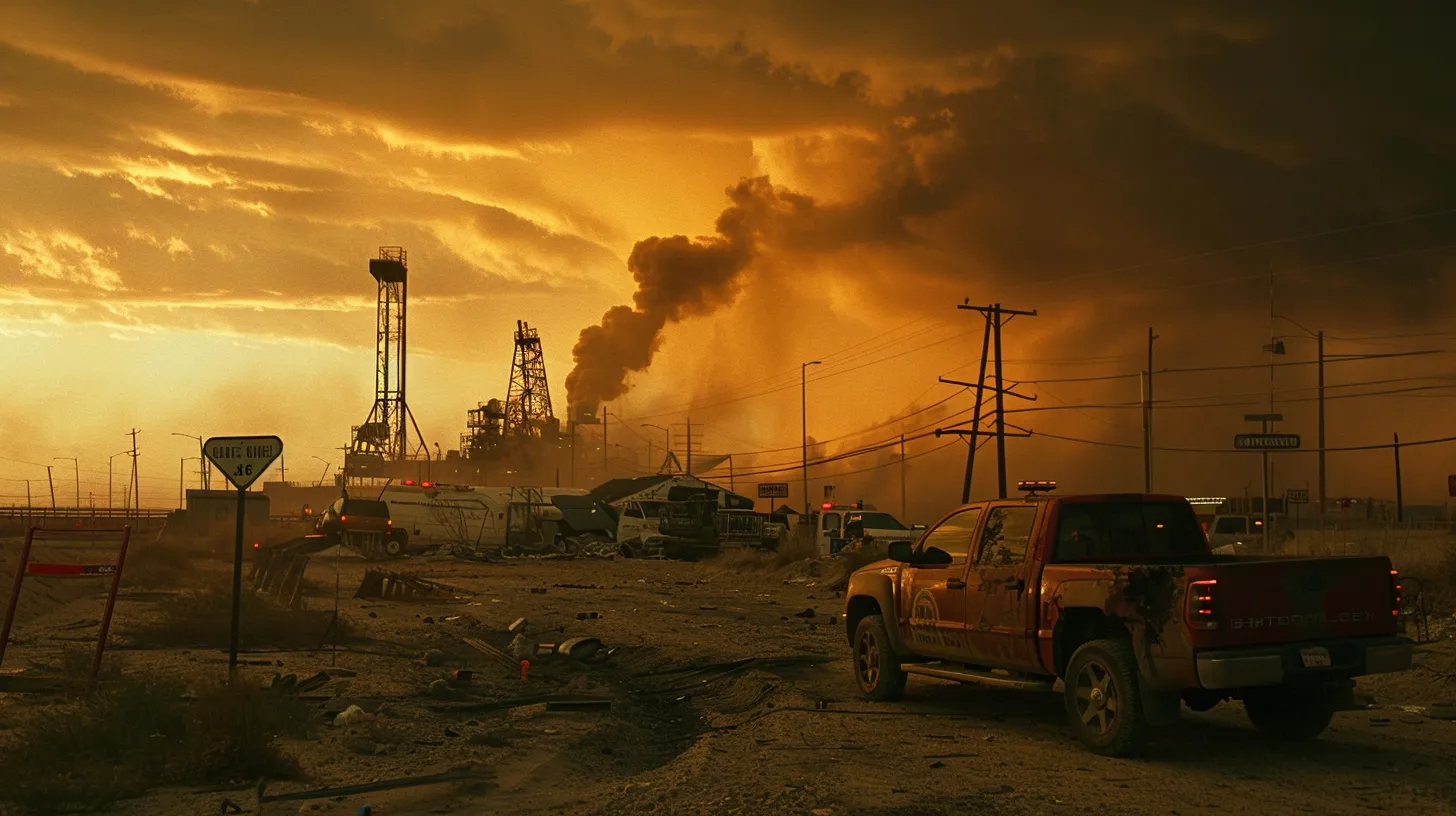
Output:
x=667 y=444
x=110 y=501
x=182 y=481
x=327 y=466
x=201 y=454
x=1319 y=338
x=804 y=417
x=73 y=460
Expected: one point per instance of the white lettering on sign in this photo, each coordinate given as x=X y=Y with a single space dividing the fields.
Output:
x=242 y=459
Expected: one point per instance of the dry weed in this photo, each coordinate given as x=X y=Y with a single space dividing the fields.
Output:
x=140 y=731
x=202 y=619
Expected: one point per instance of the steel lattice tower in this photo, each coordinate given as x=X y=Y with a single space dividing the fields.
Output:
x=528 y=400
x=386 y=433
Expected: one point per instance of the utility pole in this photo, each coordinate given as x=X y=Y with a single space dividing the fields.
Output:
x=606 y=448
x=135 y=488
x=903 y=496
x=998 y=317
x=52 y=482
x=976 y=416
x=804 y=428
x=1320 y=345
x=689 y=469
x=1399 y=498
x=732 y=488
x=1148 y=419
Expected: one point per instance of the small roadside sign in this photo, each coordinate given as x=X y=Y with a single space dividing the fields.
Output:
x=1297 y=495
x=242 y=459
x=1451 y=485
x=773 y=490
x=1263 y=442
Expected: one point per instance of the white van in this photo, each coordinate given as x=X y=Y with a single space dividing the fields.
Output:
x=462 y=517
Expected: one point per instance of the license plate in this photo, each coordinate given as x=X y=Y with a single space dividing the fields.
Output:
x=1315 y=657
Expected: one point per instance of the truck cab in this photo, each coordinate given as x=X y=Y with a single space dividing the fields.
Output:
x=843 y=525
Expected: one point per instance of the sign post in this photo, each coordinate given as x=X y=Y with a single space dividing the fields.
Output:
x=242 y=459
x=773 y=490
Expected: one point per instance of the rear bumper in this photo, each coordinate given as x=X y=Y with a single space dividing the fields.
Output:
x=1277 y=665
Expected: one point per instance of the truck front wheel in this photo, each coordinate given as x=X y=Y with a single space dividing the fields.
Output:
x=1104 y=703
x=876 y=666
x=1290 y=713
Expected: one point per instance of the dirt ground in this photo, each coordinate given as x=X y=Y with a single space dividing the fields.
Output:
x=783 y=734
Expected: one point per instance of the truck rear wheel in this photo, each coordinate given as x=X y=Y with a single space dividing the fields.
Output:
x=394 y=546
x=1290 y=713
x=876 y=666
x=1104 y=703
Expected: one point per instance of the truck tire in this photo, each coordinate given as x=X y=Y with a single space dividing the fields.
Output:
x=1104 y=703
x=1290 y=713
x=876 y=666
x=394 y=546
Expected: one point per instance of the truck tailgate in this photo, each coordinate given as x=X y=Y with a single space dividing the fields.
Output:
x=1264 y=600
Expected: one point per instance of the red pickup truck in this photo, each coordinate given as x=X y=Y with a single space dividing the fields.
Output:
x=1119 y=597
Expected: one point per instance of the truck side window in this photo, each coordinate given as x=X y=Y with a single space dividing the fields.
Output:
x=1231 y=524
x=954 y=534
x=634 y=510
x=1007 y=536
x=831 y=523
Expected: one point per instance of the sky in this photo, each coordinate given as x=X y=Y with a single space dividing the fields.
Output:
x=689 y=199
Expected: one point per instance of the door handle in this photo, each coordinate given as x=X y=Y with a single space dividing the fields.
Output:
x=955 y=583
x=1018 y=584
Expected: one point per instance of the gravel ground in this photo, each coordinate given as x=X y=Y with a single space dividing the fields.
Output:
x=694 y=730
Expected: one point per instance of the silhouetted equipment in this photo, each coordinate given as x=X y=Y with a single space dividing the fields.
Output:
x=528 y=400
x=386 y=435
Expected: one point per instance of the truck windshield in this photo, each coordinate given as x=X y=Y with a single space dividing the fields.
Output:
x=881 y=521
x=365 y=507
x=1117 y=530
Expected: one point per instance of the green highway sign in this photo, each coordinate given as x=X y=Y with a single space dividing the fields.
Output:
x=1265 y=442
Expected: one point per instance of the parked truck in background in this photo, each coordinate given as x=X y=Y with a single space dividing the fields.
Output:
x=1120 y=598
x=846 y=525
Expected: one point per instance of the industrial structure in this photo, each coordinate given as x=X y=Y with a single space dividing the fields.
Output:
x=390 y=434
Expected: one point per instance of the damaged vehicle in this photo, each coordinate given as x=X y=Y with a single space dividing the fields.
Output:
x=1119 y=598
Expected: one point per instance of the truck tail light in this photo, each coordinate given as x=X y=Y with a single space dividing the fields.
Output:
x=1203 y=605
x=1396 y=596
x=343 y=519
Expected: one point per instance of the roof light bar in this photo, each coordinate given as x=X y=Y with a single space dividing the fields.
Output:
x=1038 y=486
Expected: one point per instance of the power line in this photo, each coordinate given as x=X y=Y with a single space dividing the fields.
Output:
x=1240 y=367
x=1344 y=449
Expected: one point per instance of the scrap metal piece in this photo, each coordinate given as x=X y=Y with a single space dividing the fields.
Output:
x=397 y=586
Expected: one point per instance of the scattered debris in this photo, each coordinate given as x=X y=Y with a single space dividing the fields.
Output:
x=588 y=615
x=574 y=586
x=579 y=705
x=584 y=648
x=937 y=764
x=351 y=716
x=517 y=626
x=807 y=613
x=434 y=658
x=490 y=651
x=1443 y=710
x=371 y=787
x=515 y=702
x=396 y=586
x=538 y=590
x=438 y=688
x=462 y=677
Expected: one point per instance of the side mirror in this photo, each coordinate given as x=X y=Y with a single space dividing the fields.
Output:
x=900 y=551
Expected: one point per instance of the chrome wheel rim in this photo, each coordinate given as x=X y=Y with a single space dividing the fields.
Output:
x=868 y=658
x=1098 y=703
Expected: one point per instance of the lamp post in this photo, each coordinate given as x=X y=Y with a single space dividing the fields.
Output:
x=110 y=501
x=73 y=460
x=1319 y=338
x=666 y=442
x=804 y=426
x=327 y=466
x=182 y=481
x=202 y=467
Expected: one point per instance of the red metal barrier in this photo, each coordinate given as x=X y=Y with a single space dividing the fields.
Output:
x=25 y=567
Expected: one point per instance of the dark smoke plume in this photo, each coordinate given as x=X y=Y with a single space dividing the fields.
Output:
x=677 y=278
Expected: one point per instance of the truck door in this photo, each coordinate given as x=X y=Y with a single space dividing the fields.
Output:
x=1000 y=603
x=933 y=605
